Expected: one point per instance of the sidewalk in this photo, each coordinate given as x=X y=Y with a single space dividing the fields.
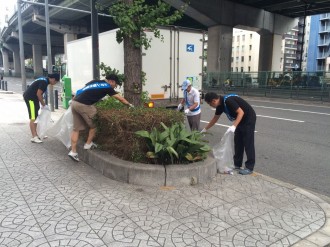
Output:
x=48 y=200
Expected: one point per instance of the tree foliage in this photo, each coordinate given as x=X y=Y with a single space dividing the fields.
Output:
x=132 y=18
x=138 y=16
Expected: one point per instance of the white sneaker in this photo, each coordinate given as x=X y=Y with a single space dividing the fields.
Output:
x=90 y=146
x=73 y=156
x=36 y=139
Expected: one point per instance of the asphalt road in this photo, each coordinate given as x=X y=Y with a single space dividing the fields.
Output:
x=292 y=139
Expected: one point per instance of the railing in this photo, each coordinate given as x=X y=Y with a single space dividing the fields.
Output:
x=294 y=85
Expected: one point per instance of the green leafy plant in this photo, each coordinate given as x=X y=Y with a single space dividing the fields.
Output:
x=134 y=16
x=107 y=70
x=110 y=103
x=174 y=145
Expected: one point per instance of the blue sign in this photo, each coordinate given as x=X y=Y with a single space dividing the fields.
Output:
x=190 y=48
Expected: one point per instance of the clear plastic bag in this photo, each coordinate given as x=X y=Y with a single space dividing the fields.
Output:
x=62 y=128
x=43 y=122
x=224 y=152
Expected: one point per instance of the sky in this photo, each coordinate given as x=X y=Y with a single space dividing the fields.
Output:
x=6 y=8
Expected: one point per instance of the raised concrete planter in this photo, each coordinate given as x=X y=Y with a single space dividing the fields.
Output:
x=144 y=174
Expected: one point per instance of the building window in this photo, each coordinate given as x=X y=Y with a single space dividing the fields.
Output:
x=242 y=69
x=232 y=59
x=236 y=69
x=250 y=35
x=243 y=37
x=242 y=47
x=237 y=38
x=242 y=59
x=250 y=58
x=249 y=68
x=237 y=59
x=232 y=69
x=250 y=47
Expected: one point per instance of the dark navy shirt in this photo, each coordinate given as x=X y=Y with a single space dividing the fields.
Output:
x=31 y=92
x=233 y=103
x=93 y=92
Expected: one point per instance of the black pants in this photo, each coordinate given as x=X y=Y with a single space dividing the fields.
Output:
x=244 y=140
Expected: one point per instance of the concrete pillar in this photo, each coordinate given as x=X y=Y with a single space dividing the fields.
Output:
x=277 y=52
x=5 y=61
x=67 y=38
x=37 y=60
x=16 y=59
x=219 y=46
x=270 y=52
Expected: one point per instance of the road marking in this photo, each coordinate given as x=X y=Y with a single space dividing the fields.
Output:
x=283 y=109
x=285 y=119
x=222 y=125
x=288 y=103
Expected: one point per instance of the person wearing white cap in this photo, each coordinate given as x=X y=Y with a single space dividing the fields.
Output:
x=191 y=99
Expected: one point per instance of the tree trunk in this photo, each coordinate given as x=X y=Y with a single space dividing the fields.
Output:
x=132 y=68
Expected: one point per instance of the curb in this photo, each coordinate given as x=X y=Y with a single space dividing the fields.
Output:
x=320 y=238
x=149 y=175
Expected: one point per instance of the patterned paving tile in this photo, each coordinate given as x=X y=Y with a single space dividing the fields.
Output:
x=256 y=232
x=122 y=231
x=205 y=200
x=309 y=229
x=14 y=238
x=180 y=208
x=175 y=234
x=227 y=194
x=48 y=200
x=231 y=214
x=253 y=206
x=308 y=210
x=150 y=218
x=285 y=220
x=205 y=224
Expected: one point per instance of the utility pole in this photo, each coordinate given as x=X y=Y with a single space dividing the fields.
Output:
x=21 y=44
x=49 y=57
x=95 y=40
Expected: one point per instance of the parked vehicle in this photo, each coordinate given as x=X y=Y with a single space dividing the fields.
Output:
x=166 y=64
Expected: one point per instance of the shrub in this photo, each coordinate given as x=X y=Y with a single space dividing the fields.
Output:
x=117 y=124
x=174 y=145
x=141 y=134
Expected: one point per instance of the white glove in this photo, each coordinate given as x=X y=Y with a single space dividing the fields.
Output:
x=131 y=106
x=45 y=107
x=180 y=107
x=231 y=129
x=186 y=111
x=203 y=130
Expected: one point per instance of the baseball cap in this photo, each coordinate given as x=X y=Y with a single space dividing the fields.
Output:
x=185 y=84
x=115 y=78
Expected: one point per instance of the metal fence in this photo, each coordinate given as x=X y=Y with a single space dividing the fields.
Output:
x=294 y=85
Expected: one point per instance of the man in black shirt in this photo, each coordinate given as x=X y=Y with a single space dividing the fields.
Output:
x=243 y=117
x=33 y=98
x=83 y=109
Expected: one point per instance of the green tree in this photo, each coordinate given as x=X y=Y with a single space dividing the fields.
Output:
x=132 y=17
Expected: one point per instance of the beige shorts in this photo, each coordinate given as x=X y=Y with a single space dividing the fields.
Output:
x=82 y=115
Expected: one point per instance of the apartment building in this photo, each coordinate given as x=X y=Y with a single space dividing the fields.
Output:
x=318 y=56
x=245 y=51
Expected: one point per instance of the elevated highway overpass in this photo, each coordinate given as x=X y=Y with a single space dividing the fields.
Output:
x=270 y=18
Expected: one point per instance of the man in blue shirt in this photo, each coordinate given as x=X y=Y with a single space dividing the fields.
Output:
x=244 y=118
x=33 y=98
x=83 y=109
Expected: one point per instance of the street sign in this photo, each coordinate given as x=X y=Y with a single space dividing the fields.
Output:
x=190 y=48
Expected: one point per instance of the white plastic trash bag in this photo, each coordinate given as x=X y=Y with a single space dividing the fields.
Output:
x=224 y=152
x=43 y=122
x=62 y=128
